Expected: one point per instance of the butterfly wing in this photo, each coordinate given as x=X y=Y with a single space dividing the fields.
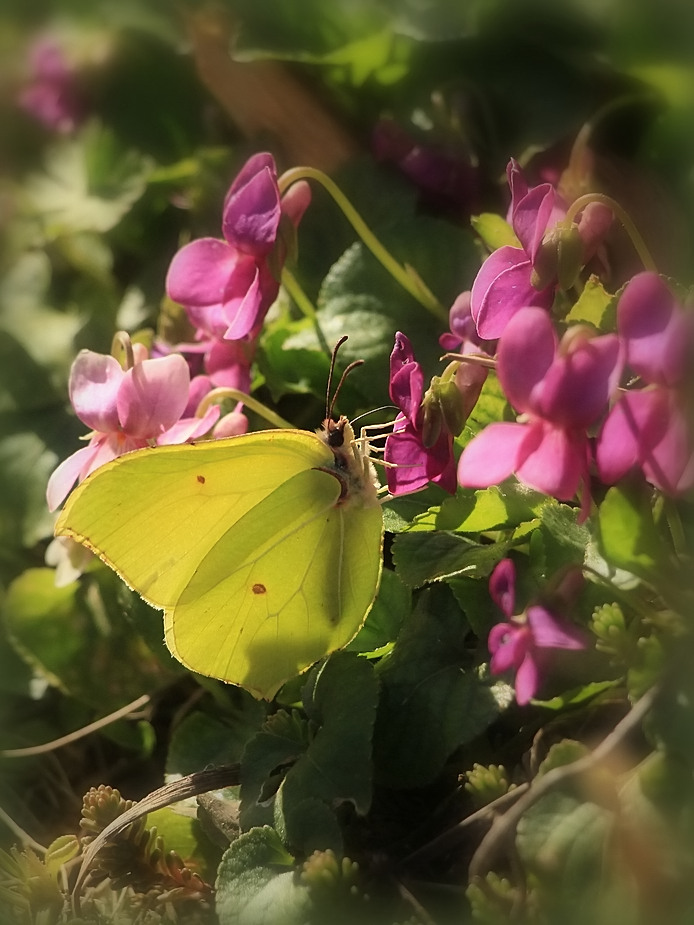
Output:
x=243 y=543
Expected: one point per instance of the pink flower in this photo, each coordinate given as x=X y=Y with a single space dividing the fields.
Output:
x=561 y=390
x=463 y=338
x=649 y=428
x=520 y=644
x=126 y=410
x=52 y=96
x=228 y=285
x=415 y=463
x=504 y=282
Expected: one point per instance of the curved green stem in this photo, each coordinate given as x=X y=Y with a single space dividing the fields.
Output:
x=291 y=284
x=405 y=275
x=305 y=305
x=121 y=343
x=237 y=395
x=636 y=239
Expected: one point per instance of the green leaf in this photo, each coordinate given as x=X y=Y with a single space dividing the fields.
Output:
x=562 y=841
x=77 y=638
x=496 y=507
x=392 y=604
x=432 y=700
x=89 y=183
x=560 y=540
x=494 y=230
x=327 y=756
x=628 y=536
x=256 y=883
x=200 y=740
x=595 y=306
x=423 y=557
x=491 y=406
x=576 y=695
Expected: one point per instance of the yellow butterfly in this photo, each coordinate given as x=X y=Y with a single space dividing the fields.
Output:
x=263 y=550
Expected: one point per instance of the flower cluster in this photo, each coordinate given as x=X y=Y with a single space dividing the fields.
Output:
x=576 y=416
x=226 y=287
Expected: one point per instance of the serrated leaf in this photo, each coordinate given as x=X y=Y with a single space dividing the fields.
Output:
x=595 y=305
x=256 y=884
x=59 y=852
x=424 y=557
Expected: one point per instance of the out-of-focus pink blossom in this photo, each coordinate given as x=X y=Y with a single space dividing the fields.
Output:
x=126 y=410
x=520 y=644
x=649 y=428
x=560 y=390
x=52 y=95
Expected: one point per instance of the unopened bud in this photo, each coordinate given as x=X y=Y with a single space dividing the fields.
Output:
x=560 y=257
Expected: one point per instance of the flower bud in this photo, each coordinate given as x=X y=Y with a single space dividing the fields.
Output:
x=560 y=257
x=441 y=408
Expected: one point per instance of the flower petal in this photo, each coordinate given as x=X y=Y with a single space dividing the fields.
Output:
x=153 y=396
x=95 y=379
x=527 y=680
x=199 y=273
x=526 y=352
x=190 y=428
x=490 y=457
x=508 y=645
x=501 y=287
x=636 y=423
x=549 y=632
x=66 y=474
x=502 y=586
x=406 y=378
x=552 y=460
x=252 y=207
x=658 y=333
x=576 y=389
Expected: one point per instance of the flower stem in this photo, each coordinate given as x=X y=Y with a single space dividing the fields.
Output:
x=260 y=409
x=405 y=275
x=634 y=234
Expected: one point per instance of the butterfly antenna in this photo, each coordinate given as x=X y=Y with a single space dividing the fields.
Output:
x=330 y=403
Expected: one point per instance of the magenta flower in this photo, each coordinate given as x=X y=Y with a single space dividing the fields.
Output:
x=227 y=286
x=414 y=463
x=560 y=390
x=127 y=410
x=649 y=428
x=463 y=338
x=503 y=284
x=52 y=96
x=522 y=642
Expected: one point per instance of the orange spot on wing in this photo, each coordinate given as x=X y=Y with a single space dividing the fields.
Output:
x=259 y=589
